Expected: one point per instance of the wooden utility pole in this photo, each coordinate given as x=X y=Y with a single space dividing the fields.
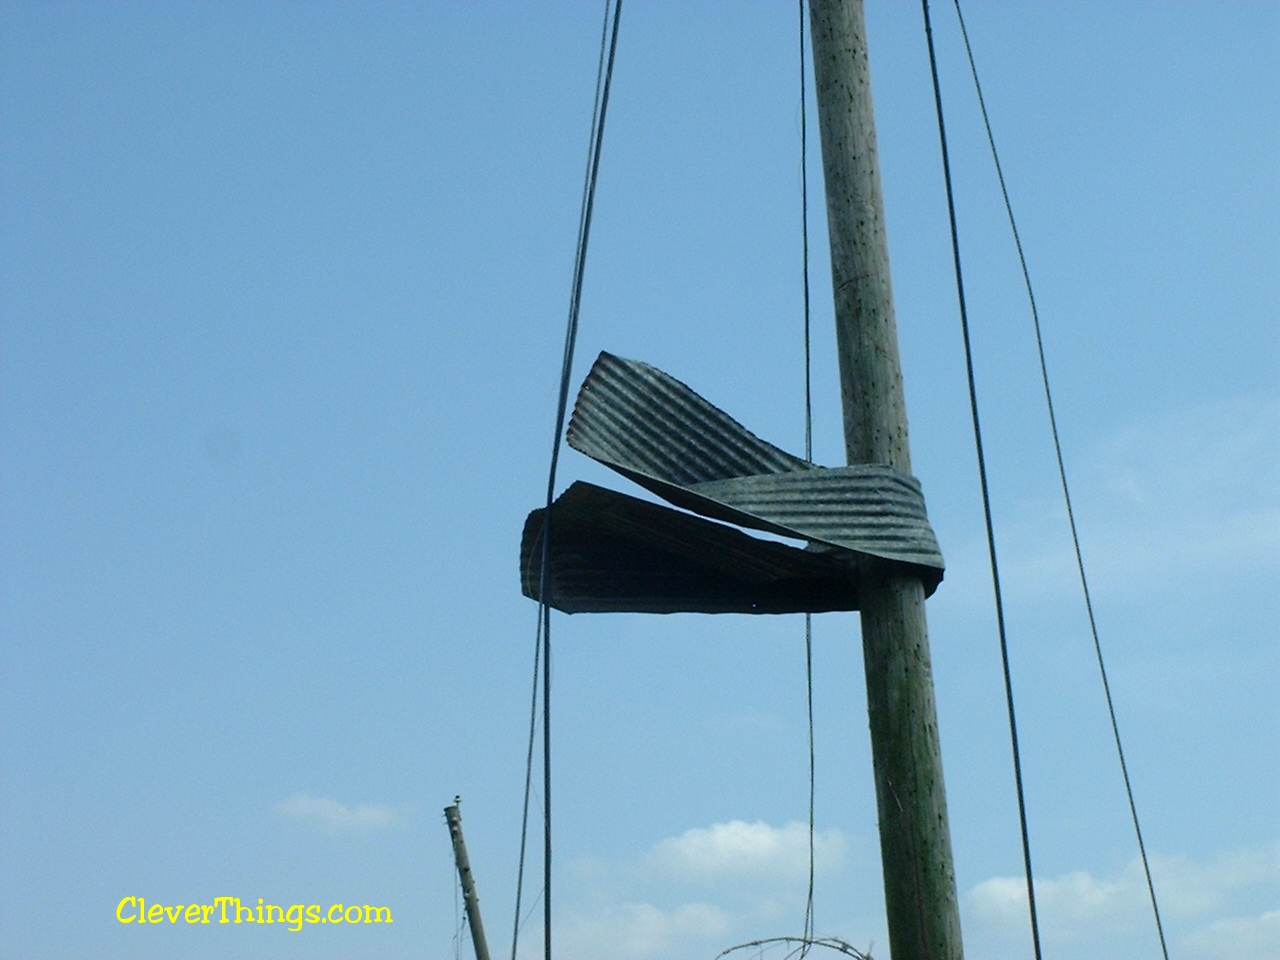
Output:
x=915 y=839
x=453 y=817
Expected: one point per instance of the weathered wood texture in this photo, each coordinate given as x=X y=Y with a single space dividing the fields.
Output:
x=453 y=817
x=915 y=841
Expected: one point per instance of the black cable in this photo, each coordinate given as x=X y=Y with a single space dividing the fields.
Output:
x=1066 y=492
x=804 y=221
x=546 y=766
x=604 y=77
x=528 y=782
x=808 y=455
x=986 y=493
x=808 y=679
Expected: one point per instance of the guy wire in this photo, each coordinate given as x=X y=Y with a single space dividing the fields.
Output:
x=1062 y=474
x=604 y=77
x=986 y=492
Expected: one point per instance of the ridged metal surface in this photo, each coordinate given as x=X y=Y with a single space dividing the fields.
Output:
x=655 y=430
x=614 y=553
x=632 y=415
x=610 y=552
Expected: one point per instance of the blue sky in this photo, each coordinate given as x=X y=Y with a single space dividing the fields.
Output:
x=282 y=293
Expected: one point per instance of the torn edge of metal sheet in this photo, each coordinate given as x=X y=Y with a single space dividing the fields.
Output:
x=610 y=552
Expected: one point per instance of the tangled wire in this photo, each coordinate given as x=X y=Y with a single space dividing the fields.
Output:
x=799 y=946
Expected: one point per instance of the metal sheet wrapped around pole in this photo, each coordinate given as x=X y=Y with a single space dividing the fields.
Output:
x=915 y=840
x=655 y=430
x=611 y=552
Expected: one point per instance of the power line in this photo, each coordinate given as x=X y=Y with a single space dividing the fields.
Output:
x=1066 y=491
x=808 y=455
x=604 y=78
x=986 y=492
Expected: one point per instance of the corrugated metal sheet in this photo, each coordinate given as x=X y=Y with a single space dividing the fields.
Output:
x=613 y=553
x=633 y=416
x=653 y=429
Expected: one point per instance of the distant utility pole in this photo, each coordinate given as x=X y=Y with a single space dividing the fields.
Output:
x=453 y=817
x=915 y=839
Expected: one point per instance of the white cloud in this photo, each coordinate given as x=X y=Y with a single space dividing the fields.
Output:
x=1194 y=896
x=1236 y=938
x=333 y=815
x=1148 y=548
x=1075 y=905
x=1160 y=502
x=1196 y=491
x=1194 y=889
x=631 y=931
x=694 y=894
x=739 y=848
x=1222 y=453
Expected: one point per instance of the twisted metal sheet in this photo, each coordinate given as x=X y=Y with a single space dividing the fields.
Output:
x=610 y=552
